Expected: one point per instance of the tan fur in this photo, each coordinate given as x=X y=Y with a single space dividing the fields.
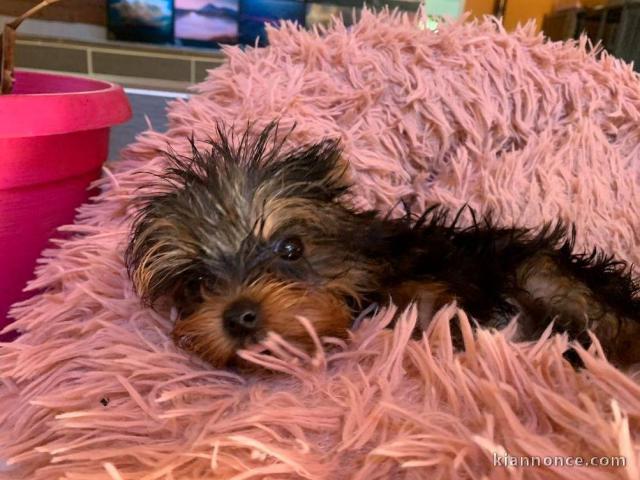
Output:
x=624 y=348
x=547 y=291
x=203 y=334
x=546 y=288
x=345 y=280
x=280 y=211
x=428 y=296
x=163 y=256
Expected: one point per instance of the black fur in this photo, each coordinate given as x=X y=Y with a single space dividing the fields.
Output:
x=478 y=261
x=194 y=194
x=212 y=224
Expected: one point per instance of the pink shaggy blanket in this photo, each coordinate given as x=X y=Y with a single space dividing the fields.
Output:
x=95 y=389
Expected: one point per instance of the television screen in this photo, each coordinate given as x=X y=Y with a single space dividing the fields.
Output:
x=255 y=13
x=206 y=22
x=141 y=20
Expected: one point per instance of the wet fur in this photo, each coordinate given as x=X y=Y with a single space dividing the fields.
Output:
x=204 y=236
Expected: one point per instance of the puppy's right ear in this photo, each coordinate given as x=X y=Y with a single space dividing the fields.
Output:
x=315 y=171
x=160 y=254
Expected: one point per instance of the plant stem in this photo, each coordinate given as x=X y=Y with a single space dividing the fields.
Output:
x=32 y=11
x=8 y=46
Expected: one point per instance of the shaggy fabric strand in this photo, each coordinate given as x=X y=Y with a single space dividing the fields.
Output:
x=532 y=130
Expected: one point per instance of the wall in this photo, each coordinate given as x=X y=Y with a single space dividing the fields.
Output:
x=478 y=8
x=76 y=19
x=519 y=11
x=93 y=12
x=86 y=19
x=54 y=29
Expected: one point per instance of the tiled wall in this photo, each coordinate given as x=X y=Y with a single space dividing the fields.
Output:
x=129 y=64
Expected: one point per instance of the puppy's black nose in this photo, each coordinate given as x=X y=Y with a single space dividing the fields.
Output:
x=241 y=318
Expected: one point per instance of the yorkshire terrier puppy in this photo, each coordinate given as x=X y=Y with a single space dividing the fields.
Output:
x=246 y=236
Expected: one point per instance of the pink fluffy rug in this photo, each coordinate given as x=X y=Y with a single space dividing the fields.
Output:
x=95 y=389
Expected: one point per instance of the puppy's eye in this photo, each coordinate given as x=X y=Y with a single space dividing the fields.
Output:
x=290 y=248
x=192 y=285
x=196 y=284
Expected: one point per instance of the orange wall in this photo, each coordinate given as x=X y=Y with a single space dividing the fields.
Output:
x=479 y=8
x=519 y=11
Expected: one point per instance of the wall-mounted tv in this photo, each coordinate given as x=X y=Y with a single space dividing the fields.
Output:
x=255 y=13
x=141 y=20
x=206 y=22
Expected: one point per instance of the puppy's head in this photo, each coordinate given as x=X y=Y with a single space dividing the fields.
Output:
x=244 y=237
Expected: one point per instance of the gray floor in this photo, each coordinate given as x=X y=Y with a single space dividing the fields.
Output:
x=149 y=104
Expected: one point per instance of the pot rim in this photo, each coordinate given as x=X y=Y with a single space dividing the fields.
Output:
x=100 y=105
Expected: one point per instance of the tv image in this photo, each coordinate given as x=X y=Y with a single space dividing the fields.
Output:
x=206 y=22
x=141 y=20
x=254 y=14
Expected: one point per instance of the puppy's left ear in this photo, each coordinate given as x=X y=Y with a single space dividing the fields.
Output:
x=315 y=171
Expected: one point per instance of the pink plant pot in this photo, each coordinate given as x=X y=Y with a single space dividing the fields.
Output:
x=54 y=138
